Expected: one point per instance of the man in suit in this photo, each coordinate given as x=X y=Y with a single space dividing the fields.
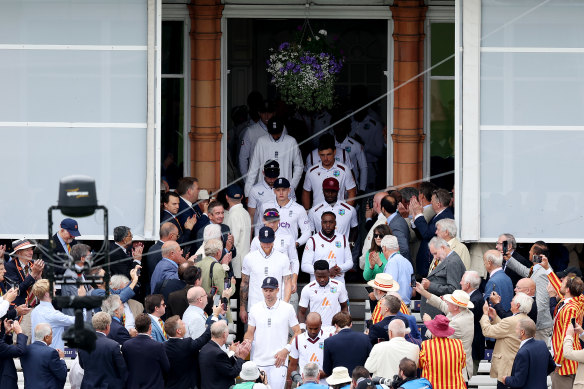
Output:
x=524 y=285
x=43 y=366
x=498 y=281
x=156 y=308
x=104 y=367
x=390 y=309
x=170 y=285
x=63 y=241
x=220 y=368
x=167 y=268
x=470 y=283
x=446 y=229
x=146 y=359
x=503 y=331
x=122 y=258
x=426 y=231
x=23 y=271
x=512 y=250
x=80 y=253
x=216 y=214
x=168 y=231
x=335 y=348
x=177 y=301
x=538 y=275
x=9 y=351
x=113 y=306
x=399 y=227
x=171 y=204
x=183 y=355
x=188 y=190
x=533 y=361
x=445 y=274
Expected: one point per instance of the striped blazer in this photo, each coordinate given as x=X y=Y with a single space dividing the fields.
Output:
x=442 y=361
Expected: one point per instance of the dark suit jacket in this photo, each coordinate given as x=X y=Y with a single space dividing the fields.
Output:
x=168 y=286
x=183 y=355
x=185 y=212
x=444 y=279
x=42 y=367
x=8 y=351
x=118 y=332
x=503 y=313
x=177 y=302
x=399 y=229
x=24 y=283
x=59 y=249
x=147 y=362
x=184 y=233
x=153 y=256
x=478 y=342
x=531 y=367
x=123 y=260
x=521 y=259
x=378 y=332
x=335 y=350
x=500 y=283
x=224 y=232
x=220 y=370
x=426 y=231
x=104 y=367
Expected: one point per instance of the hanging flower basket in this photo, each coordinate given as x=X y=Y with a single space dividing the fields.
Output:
x=305 y=73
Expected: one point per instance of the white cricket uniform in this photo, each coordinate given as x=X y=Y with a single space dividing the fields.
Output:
x=308 y=350
x=324 y=300
x=257 y=266
x=284 y=243
x=284 y=150
x=346 y=217
x=317 y=174
x=271 y=335
x=370 y=131
x=357 y=158
x=249 y=139
x=340 y=156
x=262 y=193
x=292 y=217
x=335 y=251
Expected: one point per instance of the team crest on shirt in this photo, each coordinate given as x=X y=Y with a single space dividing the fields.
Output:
x=348 y=149
x=290 y=213
x=341 y=212
x=338 y=244
x=334 y=289
x=336 y=173
x=321 y=345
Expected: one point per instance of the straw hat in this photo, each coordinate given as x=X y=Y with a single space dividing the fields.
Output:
x=340 y=376
x=440 y=326
x=384 y=282
x=460 y=298
x=21 y=244
x=249 y=371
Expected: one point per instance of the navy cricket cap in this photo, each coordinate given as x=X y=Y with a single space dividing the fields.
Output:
x=281 y=183
x=267 y=106
x=266 y=235
x=71 y=226
x=270 y=283
x=272 y=169
x=235 y=192
x=275 y=126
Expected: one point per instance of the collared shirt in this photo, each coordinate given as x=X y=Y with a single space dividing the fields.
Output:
x=257 y=265
x=44 y=312
x=292 y=217
x=187 y=201
x=62 y=242
x=401 y=270
x=494 y=271
x=346 y=216
x=163 y=271
x=284 y=243
x=523 y=342
x=335 y=250
x=129 y=321
x=325 y=300
x=357 y=159
x=195 y=320
x=318 y=173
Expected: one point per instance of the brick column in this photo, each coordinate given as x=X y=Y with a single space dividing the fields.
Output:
x=408 y=109
x=205 y=133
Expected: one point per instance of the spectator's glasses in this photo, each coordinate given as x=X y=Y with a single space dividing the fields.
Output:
x=378 y=236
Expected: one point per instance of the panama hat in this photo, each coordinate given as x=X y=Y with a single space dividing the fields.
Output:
x=384 y=282
x=340 y=376
x=460 y=298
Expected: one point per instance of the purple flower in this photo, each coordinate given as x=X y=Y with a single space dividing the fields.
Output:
x=284 y=46
x=322 y=55
x=268 y=62
x=299 y=28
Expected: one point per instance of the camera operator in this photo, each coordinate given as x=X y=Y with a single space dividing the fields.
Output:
x=252 y=377
x=406 y=378
x=310 y=377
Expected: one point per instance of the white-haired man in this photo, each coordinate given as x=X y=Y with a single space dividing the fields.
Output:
x=446 y=229
x=43 y=366
x=398 y=266
x=498 y=281
x=132 y=308
x=470 y=283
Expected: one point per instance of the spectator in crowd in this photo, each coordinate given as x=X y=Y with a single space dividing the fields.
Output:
x=426 y=230
x=104 y=366
x=390 y=309
x=43 y=366
x=113 y=306
x=212 y=272
x=216 y=216
x=498 y=280
x=80 y=253
x=446 y=370
x=170 y=285
x=339 y=378
x=268 y=326
x=293 y=216
x=183 y=354
x=121 y=285
x=177 y=301
x=470 y=283
x=258 y=264
x=44 y=312
x=413 y=335
x=397 y=224
x=262 y=192
x=375 y=261
x=9 y=294
x=168 y=232
x=385 y=356
x=509 y=240
x=503 y=331
x=188 y=190
x=220 y=368
x=195 y=317
x=266 y=110
x=380 y=220
x=537 y=288
x=398 y=266
x=408 y=376
x=308 y=346
x=324 y=296
x=9 y=351
x=311 y=377
x=574 y=355
x=143 y=354
x=132 y=308
x=170 y=208
x=167 y=268
x=251 y=377
x=326 y=244
x=359 y=375
x=445 y=274
x=381 y=285
x=446 y=229
x=347 y=215
x=23 y=271
x=533 y=361
x=240 y=225
x=335 y=347
x=124 y=255
x=279 y=146
x=456 y=307
x=63 y=241
x=524 y=285
x=156 y=308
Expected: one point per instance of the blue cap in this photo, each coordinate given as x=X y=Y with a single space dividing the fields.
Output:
x=235 y=192
x=272 y=169
x=270 y=283
x=71 y=226
x=266 y=235
x=281 y=183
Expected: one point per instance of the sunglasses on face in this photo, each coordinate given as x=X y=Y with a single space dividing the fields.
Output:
x=378 y=236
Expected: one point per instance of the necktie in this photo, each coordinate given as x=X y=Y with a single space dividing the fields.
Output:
x=162 y=327
x=26 y=270
x=558 y=307
x=123 y=320
x=435 y=263
x=68 y=248
x=530 y=272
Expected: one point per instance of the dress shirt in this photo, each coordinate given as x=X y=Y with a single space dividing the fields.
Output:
x=46 y=313
x=401 y=270
x=524 y=341
x=195 y=320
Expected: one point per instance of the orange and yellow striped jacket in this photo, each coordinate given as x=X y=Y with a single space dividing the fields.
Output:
x=376 y=316
x=442 y=361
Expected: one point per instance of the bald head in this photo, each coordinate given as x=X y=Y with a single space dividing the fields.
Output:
x=313 y=319
x=396 y=329
x=172 y=251
x=197 y=296
x=527 y=286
